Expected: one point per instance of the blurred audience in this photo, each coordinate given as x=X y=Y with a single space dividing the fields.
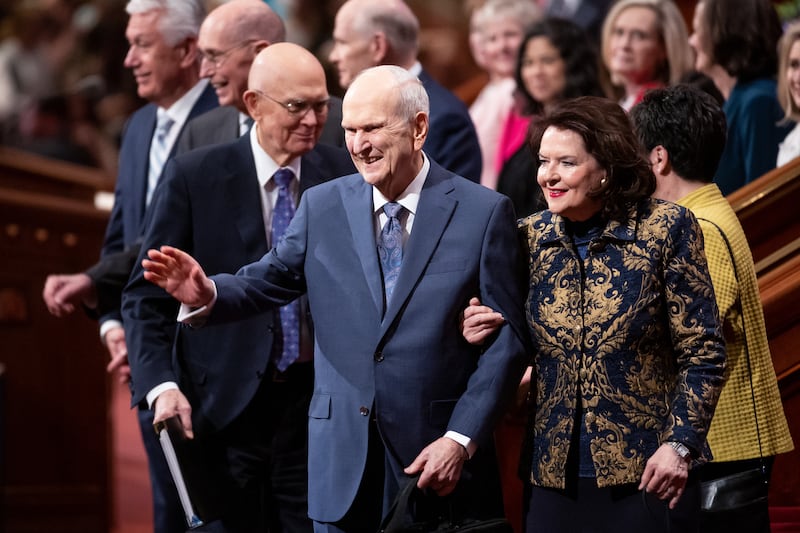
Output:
x=588 y=14
x=496 y=30
x=789 y=91
x=65 y=56
x=736 y=46
x=644 y=46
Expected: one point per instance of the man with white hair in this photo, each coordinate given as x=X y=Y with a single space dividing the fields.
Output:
x=164 y=60
x=388 y=258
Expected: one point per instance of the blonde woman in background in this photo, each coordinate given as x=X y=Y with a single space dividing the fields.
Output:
x=644 y=46
x=789 y=90
x=496 y=30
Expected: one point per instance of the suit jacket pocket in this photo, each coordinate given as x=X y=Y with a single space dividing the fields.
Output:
x=320 y=406
x=440 y=412
x=448 y=265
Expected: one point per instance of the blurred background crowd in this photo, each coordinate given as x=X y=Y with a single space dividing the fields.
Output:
x=65 y=93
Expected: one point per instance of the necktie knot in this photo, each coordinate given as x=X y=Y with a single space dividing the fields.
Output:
x=283 y=177
x=392 y=209
x=164 y=125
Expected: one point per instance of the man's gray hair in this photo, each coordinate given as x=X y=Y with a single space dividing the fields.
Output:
x=412 y=98
x=180 y=20
x=397 y=22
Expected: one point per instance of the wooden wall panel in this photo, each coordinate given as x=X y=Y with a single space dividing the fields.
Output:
x=55 y=436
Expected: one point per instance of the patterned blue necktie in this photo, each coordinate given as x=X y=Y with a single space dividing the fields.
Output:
x=390 y=247
x=287 y=347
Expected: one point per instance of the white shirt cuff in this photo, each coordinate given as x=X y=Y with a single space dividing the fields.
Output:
x=107 y=326
x=463 y=440
x=197 y=315
x=156 y=391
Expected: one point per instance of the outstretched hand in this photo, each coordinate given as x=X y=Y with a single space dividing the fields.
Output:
x=179 y=274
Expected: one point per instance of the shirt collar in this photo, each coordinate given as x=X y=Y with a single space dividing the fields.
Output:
x=409 y=198
x=179 y=111
x=265 y=165
x=416 y=69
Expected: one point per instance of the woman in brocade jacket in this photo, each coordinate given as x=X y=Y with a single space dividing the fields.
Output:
x=628 y=355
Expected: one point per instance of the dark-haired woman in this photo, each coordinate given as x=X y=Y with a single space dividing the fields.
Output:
x=628 y=356
x=557 y=61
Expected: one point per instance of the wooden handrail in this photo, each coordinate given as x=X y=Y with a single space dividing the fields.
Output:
x=769 y=209
x=26 y=171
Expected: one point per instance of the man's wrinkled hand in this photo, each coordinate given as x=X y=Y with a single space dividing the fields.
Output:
x=179 y=274
x=118 y=350
x=440 y=463
x=63 y=293
x=172 y=402
x=479 y=322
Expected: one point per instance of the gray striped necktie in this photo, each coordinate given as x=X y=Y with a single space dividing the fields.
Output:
x=159 y=152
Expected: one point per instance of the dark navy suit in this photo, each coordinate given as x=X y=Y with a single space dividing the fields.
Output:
x=452 y=141
x=407 y=372
x=123 y=230
x=210 y=205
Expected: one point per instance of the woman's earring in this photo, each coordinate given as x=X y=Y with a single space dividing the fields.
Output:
x=603 y=181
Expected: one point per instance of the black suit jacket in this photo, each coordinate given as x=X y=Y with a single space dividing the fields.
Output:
x=452 y=141
x=210 y=206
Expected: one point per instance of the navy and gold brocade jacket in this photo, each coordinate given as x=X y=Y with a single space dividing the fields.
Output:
x=633 y=333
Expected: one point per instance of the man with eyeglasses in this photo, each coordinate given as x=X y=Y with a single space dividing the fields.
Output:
x=242 y=390
x=229 y=39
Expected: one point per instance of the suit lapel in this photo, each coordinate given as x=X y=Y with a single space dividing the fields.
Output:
x=434 y=212
x=143 y=138
x=357 y=205
x=243 y=198
x=206 y=102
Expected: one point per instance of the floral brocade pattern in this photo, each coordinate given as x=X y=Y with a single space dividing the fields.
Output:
x=632 y=332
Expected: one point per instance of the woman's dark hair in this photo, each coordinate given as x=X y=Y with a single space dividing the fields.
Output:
x=581 y=67
x=743 y=36
x=608 y=136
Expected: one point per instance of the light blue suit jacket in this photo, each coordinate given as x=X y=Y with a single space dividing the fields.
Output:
x=409 y=367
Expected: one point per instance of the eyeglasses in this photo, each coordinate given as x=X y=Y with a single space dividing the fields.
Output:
x=298 y=108
x=218 y=58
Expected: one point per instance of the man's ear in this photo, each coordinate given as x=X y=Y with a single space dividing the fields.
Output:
x=659 y=160
x=250 y=100
x=420 y=129
x=188 y=52
x=379 y=48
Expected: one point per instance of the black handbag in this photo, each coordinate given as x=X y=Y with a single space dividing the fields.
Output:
x=742 y=489
x=735 y=491
x=398 y=520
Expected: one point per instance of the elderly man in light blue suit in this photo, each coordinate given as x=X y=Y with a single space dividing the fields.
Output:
x=397 y=390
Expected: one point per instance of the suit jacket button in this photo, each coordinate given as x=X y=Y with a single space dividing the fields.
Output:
x=364 y=411
x=379 y=356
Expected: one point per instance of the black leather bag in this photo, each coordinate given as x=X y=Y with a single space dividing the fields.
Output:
x=744 y=493
x=398 y=521
x=735 y=491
